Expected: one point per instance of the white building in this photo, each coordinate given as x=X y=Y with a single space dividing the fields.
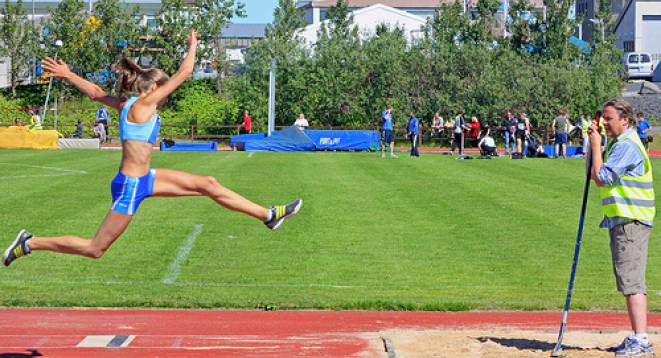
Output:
x=367 y=19
x=638 y=29
x=315 y=11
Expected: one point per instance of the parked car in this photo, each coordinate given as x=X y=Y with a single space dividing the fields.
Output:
x=205 y=71
x=639 y=65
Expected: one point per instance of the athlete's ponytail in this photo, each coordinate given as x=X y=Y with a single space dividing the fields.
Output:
x=134 y=80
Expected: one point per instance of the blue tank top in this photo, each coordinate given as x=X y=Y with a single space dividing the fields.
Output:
x=142 y=132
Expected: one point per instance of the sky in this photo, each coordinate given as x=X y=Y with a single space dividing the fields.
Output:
x=258 y=12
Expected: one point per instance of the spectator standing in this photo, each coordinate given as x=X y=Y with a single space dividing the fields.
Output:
x=643 y=127
x=458 y=132
x=412 y=132
x=584 y=124
x=560 y=125
x=103 y=116
x=301 y=122
x=626 y=185
x=522 y=133
x=246 y=125
x=387 y=136
x=508 y=124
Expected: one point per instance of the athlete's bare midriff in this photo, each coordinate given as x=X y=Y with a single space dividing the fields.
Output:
x=136 y=158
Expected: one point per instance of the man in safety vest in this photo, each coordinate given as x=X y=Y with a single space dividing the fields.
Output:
x=627 y=198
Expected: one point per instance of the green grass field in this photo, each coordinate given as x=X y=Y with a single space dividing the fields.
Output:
x=427 y=234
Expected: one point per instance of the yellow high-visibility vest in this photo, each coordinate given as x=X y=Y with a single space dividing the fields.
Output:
x=633 y=196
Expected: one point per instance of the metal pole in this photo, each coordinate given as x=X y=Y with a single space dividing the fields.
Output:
x=506 y=5
x=580 y=31
x=271 y=124
x=50 y=84
x=34 y=59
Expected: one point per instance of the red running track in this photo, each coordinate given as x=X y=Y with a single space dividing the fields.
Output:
x=177 y=333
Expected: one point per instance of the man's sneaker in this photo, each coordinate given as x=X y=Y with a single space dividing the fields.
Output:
x=18 y=248
x=393 y=156
x=282 y=212
x=383 y=155
x=632 y=347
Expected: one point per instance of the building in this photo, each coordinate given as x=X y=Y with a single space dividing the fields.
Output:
x=367 y=19
x=409 y=15
x=315 y=11
x=637 y=30
x=588 y=10
x=236 y=38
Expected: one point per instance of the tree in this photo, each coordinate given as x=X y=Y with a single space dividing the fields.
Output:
x=18 y=38
x=173 y=24
x=212 y=16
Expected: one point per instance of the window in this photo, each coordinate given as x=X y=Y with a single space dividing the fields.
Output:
x=633 y=58
x=644 y=58
x=628 y=46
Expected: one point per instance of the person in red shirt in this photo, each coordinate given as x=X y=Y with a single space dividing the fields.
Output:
x=474 y=133
x=246 y=126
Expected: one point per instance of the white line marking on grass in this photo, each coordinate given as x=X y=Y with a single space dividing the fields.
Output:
x=251 y=154
x=175 y=266
x=58 y=171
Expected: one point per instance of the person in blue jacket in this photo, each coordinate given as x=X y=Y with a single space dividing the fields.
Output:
x=412 y=133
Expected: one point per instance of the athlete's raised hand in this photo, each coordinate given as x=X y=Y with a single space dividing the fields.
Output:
x=192 y=39
x=57 y=68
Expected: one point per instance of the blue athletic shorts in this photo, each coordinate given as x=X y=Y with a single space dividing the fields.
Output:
x=387 y=136
x=129 y=192
x=561 y=138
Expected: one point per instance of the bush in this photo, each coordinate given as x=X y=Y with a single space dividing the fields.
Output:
x=197 y=103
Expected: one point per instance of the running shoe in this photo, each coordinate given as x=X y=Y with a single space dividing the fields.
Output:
x=281 y=212
x=18 y=248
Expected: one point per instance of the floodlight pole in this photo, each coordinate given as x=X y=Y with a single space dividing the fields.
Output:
x=271 y=124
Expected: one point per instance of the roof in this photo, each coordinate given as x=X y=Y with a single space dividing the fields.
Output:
x=405 y=4
x=621 y=17
x=249 y=31
x=391 y=3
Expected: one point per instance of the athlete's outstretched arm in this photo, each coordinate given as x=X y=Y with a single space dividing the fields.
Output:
x=184 y=72
x=59 y=69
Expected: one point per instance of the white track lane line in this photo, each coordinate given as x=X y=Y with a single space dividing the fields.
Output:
x=175 y=266
x=58 y=171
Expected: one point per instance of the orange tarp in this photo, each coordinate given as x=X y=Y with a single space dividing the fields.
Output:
x=23 y=137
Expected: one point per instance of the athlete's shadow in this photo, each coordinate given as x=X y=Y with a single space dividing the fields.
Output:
x=531 y=344
x=33 y=353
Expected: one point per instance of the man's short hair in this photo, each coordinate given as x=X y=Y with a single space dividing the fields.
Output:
x=623 y=108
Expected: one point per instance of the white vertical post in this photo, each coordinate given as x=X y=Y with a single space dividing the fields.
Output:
x=271 y=124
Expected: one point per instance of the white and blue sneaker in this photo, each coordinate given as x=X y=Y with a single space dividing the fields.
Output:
x=632 y=347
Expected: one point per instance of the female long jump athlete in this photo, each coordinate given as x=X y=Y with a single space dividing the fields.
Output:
x=136 y=180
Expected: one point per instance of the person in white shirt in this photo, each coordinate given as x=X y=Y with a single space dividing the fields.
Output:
x=437 y=124
x=99 y=131
x=487 y=145
x=301 y=122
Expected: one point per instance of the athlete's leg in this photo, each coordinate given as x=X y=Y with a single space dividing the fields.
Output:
x=112 y=227
x=170 y=183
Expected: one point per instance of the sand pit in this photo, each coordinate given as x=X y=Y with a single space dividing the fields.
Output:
x=502 y=343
